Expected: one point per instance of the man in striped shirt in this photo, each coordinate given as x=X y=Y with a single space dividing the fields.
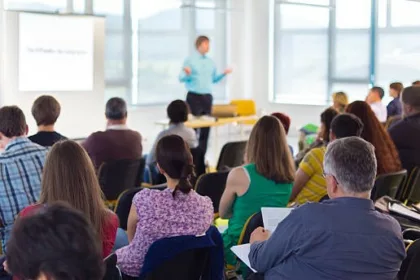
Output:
x=21 y=164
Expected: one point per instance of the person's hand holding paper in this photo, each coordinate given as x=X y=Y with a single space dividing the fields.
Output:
x=259 y=234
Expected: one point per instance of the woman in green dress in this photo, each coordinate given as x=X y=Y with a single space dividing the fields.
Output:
x=265 y=181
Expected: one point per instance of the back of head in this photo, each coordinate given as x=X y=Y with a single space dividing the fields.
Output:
x=69 y=176
x=375 y=133
x=416 y=83
x=116 y=109
x=46 y=110
x=397 y=86
x=174 y=158
x=284 y=120
x=326 y=118
x=267 y=148
x=380 y=91
x=340 y=98
x=346 y=125
x=352 y=162
x=12 y=121
x=411 y=96
x=58 y=243
x=177 y=111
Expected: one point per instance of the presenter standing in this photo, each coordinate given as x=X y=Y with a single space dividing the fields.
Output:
x=199 y=73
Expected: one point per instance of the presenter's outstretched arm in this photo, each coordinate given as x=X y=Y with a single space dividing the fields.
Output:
x=185 y=74
x=218 y=77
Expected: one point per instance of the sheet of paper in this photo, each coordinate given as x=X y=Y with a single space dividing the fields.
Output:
x=242 y=252
x=273 y=216
x=402 y=210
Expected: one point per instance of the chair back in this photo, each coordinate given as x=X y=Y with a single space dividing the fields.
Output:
x=232 y=155
x=199 y=162
x=112 y=272
x=124 y=202
x=411 y=234
x=188 y=265
x=212 y=185
x=388 y=184
x=251 y=224
x=411 y=190
x=410 y=268
x=118 y=176
x=185 y=257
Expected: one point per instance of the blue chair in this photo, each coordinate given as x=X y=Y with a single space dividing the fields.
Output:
x=185 y=257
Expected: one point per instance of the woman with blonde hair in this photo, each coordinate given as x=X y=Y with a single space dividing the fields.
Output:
x=69 y=176
x=340 y=101
x=265 y=181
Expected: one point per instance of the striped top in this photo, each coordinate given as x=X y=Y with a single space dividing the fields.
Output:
x=21 y=166
x=316 y=187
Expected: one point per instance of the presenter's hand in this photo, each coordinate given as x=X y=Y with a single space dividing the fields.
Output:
x=259 y=234
x=187 y=71
x=228 y=71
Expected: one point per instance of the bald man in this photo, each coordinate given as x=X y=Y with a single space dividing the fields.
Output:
x=406 y=132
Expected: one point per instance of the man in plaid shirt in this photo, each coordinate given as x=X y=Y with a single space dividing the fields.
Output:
x=21 y=164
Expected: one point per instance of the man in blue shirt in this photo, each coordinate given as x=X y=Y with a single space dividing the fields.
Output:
x=199 y=73
x=21 y=164
x=341 y=238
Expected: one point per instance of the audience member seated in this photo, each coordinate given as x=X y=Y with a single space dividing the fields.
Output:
x=406 y=132
x=394 y=107
x=375 y=133
x=374 y=99
x=341 y=238
x=340 y=101
x=46 y=111
x=323 y=135
x=57 y=243
x=21 y=164
x=177 y=210
x=70 y=176
x=285 y=121
x=178 y=114
x=118 y=141
x=310 y=185
x=416 y=83
x=265 y=181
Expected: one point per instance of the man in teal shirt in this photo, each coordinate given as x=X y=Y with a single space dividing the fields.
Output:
x=199 y=73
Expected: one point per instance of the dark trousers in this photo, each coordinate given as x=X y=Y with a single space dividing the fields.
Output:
x=200 y=105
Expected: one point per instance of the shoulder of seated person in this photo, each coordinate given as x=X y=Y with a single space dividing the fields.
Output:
x=238 y=174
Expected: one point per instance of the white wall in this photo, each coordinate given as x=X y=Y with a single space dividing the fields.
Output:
x=82 y=112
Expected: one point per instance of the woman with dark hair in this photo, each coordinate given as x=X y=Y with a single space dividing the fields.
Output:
x=323 y=136
x=265 y=181
x=176 y=211
x=375 y=133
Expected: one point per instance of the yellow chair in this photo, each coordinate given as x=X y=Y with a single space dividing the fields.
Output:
x=245 y=107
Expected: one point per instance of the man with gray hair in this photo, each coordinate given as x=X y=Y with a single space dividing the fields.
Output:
x=341 y=238
x=406 y=132
x=118 y=141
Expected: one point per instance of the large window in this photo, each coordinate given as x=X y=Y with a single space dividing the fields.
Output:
x=164 y=35
x=321 y=47
x=147 y=41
